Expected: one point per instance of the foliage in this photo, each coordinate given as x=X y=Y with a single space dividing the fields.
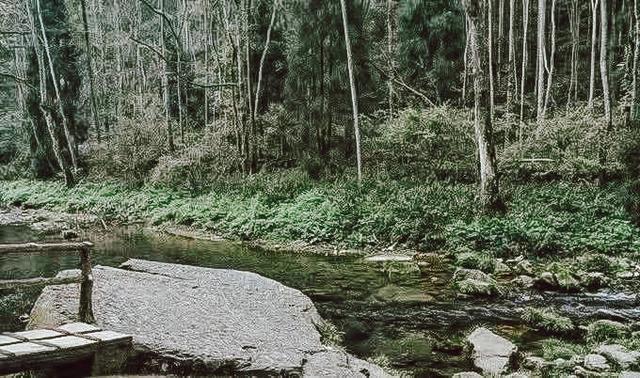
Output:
x=606 y=330
x=553 y=349
x=548 y=320
x=288 y=206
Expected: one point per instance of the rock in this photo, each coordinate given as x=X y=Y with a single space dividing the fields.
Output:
x=619 y=355
x=467 y=374
x=547 y=281
x=430 y=261
x=596 y=362
x=594 y=281
x=501 y=269
x=523 y=281
x=69 y=234
x=491 y=353
x=394 y=293
x=474 y=282
x=385 y=258
x=524 y=267
x=579 y=371
x=534 y=363
x=519 y=374
x=630 y=374
x=228 y=321
x=562 y=364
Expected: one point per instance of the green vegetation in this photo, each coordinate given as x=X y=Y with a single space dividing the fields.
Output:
x=606 y=330
x=554 y=348
x=548 y=320
x=558 y=219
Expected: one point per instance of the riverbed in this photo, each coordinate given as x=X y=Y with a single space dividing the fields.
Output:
x=392 y=313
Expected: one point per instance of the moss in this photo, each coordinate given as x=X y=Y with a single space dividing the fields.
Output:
x=547 y=319
x=476 y=260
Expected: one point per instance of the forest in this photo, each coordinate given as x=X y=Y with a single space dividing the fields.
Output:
x=499 y=135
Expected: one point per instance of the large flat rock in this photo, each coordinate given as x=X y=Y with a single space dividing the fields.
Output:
x=223 y=320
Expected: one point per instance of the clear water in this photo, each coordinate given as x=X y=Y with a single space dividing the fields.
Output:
x=397 y=311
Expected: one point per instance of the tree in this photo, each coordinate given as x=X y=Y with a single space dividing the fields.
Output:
x=352 y=84
x=604 y=77
x=594 y=33
x=489 y=195
x=541 y=57
x=92 y=94
x=552 y=58
x=525 y=28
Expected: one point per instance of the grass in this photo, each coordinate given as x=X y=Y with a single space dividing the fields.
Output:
x=556 y=219
x=548 y=320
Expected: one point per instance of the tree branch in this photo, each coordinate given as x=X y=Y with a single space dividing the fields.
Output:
x=155 y=50
x=18 y=79
x=166 y=18
x=405 y=85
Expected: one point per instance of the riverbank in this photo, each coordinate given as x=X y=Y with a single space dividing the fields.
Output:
x=559 y=219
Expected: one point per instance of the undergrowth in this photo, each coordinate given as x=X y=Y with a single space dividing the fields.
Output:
x=543 y=219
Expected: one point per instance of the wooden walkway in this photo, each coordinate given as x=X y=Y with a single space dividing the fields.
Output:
x=69 y=343
x=106 y=351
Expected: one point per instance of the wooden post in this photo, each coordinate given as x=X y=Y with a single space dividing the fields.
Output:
x=85 y=312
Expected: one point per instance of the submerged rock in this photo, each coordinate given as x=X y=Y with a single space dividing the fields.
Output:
x=491 y=353
x=394 y=293
x=467 y=374
x=386 y=258
x=228 y=321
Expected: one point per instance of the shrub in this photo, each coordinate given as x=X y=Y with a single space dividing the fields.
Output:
x=606 y=330
x=547 y=319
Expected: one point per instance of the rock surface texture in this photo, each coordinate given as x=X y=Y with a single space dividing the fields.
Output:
x=210 y=320
x=491 y=353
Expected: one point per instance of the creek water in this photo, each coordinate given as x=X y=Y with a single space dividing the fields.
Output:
x=409 y=316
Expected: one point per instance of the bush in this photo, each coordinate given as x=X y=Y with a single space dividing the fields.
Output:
x=606 y=330
x=553 y=349
x=548 y=320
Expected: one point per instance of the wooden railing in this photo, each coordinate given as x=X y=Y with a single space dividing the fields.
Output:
x=85 y=279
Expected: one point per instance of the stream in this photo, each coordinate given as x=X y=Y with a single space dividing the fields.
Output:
x=412 y=318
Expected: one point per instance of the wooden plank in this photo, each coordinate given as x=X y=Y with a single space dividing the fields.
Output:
x=50 y=347
x=44 y=247
x=77 y=328
x=39 y=281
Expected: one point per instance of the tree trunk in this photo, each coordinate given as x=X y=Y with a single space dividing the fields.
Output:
x=490 y=52
x=165 y=82
x=636 y=59
x=525 y=28
x=390 y=49
x=54 y=79
x=92 y=94
x=594 y=33
x=352 y=83
x=552 y=58
x=604 y=77
x=541 y=53
x=476 y=12
x=511 y=84
x=263 y=57
x=42 y=80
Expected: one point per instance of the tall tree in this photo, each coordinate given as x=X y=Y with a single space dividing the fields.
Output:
x=477 y=13
x=552 y=59
x=352 y=84
x=541 y=56
x=92 y=93
x=604 y=77
x=594 y=34
x=525 y=29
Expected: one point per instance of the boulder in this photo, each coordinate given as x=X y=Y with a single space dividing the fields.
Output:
x=630 y=374
x=69 y=234
x=619 y=355
x=534 y=363
x=386 y=258
x=230 y=322
x=474 y=282
x=401 y=294
x=596 y=362
x=524 y=267
x=523 y=281
x=491 y=353
x=467 y=374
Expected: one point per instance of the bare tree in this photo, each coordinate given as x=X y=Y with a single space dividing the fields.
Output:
x=604 y=77
x=636 y=59
x=525 y=28
x=92 y=93
x=552 y=58
x=352 y=84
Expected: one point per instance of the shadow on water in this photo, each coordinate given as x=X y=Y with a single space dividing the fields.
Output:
x=409 y=318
